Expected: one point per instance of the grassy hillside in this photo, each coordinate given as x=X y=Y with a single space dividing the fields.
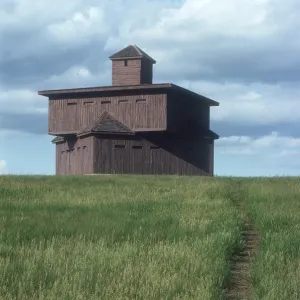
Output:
x=274 y=206
x=126 y=237
x=115 y=237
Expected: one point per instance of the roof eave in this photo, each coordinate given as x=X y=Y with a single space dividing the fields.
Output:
x=62 y=134
x=213 y=102
x=209 y=101
x=132 y=57
x=57 y=141
x=42 y=93
x=100 y=89
x=82 y=134
x=213 y=135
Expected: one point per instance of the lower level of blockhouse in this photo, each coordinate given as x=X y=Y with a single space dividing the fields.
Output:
x=137 y=154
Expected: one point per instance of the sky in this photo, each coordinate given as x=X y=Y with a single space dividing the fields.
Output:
x=242 y=53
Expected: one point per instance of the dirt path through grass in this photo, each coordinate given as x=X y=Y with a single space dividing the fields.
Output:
x=240 y=286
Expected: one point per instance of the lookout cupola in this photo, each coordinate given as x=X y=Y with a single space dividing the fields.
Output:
x=131 y=66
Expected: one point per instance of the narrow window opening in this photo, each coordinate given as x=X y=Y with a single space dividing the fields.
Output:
x=137 y=147
x=140 y=100
x=84 y=147
x=78 y=148
x=88 y=102
x=123 y=101
x=105 y=102
x=71 y=103
x=125 y=62
x=119 y=146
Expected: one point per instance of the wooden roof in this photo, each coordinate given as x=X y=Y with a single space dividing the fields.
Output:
x=131 y=51
x=200 y=132
x=211 y=134
x=58 y=139
x=134 y=88
x=106 y=124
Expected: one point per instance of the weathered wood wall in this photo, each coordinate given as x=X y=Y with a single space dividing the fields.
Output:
x=131 y=72
x=185 y=114
x=151 y=154
x=211 y=157
x=143 y=154
x=75 y=156
x=137 y=111
x=147 y=72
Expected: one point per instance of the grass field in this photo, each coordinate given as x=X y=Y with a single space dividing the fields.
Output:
x=115 y=238
x=274 y=206
x=126 y=237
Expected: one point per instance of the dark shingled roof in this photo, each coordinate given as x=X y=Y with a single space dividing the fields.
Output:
x=106 y=124
x=212 y=134
x=131 y=51
x=58 y=139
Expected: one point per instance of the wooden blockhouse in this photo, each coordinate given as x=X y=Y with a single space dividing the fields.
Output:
x=133 y=126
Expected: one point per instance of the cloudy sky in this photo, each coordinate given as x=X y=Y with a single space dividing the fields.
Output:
x=241 y=53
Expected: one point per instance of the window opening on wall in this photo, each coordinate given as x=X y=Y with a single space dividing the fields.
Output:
x=88 y=102
x=125 y=62
x=78 y=148
x=119 y=146
x=137 y=147
x=123 y=101
x=105 y=102
x=84 y=147
x=71 y=103
x=140 y=101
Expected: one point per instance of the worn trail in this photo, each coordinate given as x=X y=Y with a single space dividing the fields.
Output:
x=240 y=286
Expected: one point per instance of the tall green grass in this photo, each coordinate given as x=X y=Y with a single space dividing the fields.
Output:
x=274 y=206
x=111 y=237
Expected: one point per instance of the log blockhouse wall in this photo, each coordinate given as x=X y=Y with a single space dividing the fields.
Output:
x=135 y=111
x=151 y=154
x=185 y=114
x=144 y=154
x=75 y=156
x=131 y=72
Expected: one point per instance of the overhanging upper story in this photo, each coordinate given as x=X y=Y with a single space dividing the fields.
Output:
x=132 y=99
x=155 y=107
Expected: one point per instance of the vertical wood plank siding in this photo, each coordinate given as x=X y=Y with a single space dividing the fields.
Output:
x=147 y=72
x=185 y=114
x=211 y=157
x=75 y=156
x=137 y=71
x=150 y=154
x=150 y=113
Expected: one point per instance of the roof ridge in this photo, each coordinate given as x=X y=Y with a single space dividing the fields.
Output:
x=104 y=114
x=137 y=49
